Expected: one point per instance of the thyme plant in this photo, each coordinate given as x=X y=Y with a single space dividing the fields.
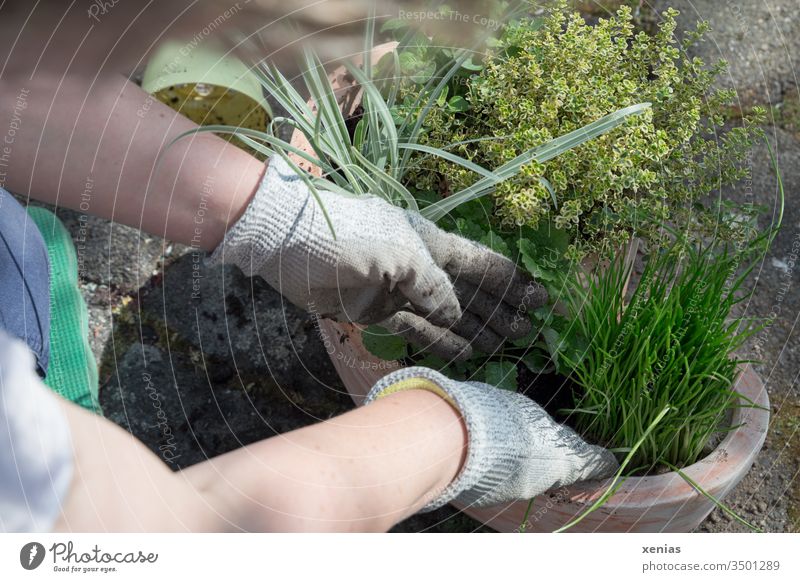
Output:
x=546 y=77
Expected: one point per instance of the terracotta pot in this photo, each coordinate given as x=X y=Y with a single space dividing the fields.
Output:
x=662 y=503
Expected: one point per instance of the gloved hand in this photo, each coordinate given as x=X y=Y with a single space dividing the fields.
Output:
x=515 y=449
x=386 y=265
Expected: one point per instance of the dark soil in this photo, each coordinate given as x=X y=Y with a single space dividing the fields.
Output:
x=551 y=391
x=352 y=121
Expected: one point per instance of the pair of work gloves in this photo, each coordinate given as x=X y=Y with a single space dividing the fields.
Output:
x=444 y=293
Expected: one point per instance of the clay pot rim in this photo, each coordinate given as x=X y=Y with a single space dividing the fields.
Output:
x=742 y=443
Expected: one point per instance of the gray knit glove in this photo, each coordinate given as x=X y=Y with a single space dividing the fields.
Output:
x=386 y=265
x=515 y=449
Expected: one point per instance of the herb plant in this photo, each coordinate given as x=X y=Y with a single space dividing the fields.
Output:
x=377 y=157
x=664 y=358
x=670 y=346
x=547 y=77
x=655 y=379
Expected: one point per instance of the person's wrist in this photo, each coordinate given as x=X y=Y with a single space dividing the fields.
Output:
x=492 y=436
x=224 y=212
x=450 y=440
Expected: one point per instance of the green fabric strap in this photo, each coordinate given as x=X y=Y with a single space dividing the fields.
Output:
x=72 y=371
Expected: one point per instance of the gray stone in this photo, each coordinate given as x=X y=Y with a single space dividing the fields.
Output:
x=231 y=362
x=760 y=41
x=236 y=319
x=112 y=254
x=98 y=302
x=170 y=403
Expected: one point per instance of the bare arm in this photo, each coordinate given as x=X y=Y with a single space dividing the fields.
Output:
x=93 y=148
x=363 y=471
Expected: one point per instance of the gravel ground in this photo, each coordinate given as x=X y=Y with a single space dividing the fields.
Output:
x=233 y=363
x=770 y=494
x=759 y=39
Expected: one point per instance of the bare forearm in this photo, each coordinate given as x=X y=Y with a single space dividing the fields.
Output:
x=118 y=485
x=363 y=471
x=94 y=149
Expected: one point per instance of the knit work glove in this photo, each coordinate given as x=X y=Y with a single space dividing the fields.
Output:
x=515 y=449
x=386 y=265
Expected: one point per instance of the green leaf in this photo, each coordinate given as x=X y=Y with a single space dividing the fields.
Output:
x=391 y=185
x=424 y=74
x=572 y=350
x=475 y=373
x=553 y=340
x=502 y=374
x=479 y=211
x=424 y=198
x=471 y=65
x=512 y=51
x=495 y=242
x=549 y=187
x=409 y=62
x=458 y=104
x=543 y=251
x=529 y=254
x=380 y=117
x=537 y=362
x=547 y=237
x=463 y=370
x=450 y=157
x=383 y=344
x=713 y=499
x=441 y=101
x=470 y=229
x=358 y=135
x=394 y=24
x=433 y=362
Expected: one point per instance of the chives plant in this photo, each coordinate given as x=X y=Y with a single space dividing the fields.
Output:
x=655 y=379
x=670 y=347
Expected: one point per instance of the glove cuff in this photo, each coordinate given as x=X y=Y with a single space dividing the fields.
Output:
x=268 y=221
x=492 y=456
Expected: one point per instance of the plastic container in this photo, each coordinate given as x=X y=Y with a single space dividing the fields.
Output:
x=206 y=86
